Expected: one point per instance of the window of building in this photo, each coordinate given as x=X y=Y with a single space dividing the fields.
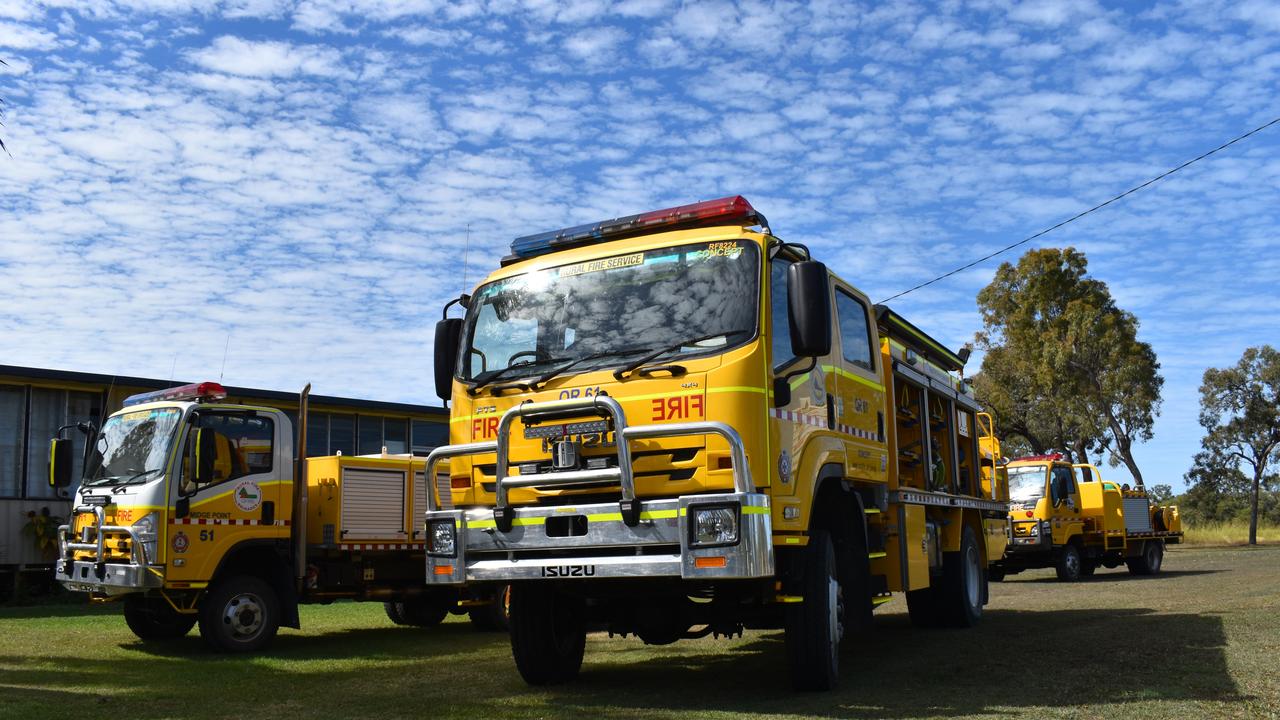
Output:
x=47 y=411
x=428 y=436
x=855 y=335
x=13 y=403
x=342 y=434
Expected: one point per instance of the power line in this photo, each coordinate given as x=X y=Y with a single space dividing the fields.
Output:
x=1073 y=218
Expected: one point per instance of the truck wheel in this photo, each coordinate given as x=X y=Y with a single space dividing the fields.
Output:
x=814 y=627
x=1068 y=564
x=426 y=611
x=960 y=602
x=240 y=614
x=394 y=614
x=494 y=616
x=155 y=619
x=548 y=634
x=1087 y=567
x=1149 y=561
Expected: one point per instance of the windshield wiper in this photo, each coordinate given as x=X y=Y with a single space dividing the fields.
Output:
x=542 y=379
x=623 y=373
x=489 y=376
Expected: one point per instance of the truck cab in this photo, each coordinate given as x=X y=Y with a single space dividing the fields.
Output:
x=1065 y=516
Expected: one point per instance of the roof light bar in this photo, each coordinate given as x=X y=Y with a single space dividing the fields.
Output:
x=1051 y=456
x=200 y=392
x=724 y=211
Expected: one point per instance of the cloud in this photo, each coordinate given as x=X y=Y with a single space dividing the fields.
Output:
x=269 y=58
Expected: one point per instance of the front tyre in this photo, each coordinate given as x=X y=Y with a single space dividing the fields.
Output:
x=548 y=633
x=154 y=619
x=815 y=626
x=240 y=614
x=1069 y=564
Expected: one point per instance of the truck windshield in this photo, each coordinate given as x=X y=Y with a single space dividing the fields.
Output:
x=1026 y=484
x=696 y=299
x=132 y=447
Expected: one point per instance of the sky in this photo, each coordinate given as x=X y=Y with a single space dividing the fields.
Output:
x=300 y=185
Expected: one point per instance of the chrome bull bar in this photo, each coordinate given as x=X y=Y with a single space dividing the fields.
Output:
x=96 y=574
x=602 y=406
x=631 y=539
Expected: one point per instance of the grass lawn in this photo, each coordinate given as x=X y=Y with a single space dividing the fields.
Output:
x=1201 y=640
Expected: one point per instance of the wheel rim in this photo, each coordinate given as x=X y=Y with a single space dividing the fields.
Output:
x=243 y=616
x=1072 y=562
x=971 y=580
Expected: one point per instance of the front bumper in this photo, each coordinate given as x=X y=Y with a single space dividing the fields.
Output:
x=628 y=539
x=97 y=575
x=105 y=578
x=658 y=546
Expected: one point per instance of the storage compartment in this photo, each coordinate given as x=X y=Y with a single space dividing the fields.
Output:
x=373 y=504
x=1137 y=515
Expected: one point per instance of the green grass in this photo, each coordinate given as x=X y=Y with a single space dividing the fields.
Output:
x=1200 y=640
x=1235 y=532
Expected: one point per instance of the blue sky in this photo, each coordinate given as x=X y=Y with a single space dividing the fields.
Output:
x=300 y=175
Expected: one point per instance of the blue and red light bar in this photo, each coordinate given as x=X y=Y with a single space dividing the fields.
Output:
x=200 y=392
x=725 y=211
x=1052 y=457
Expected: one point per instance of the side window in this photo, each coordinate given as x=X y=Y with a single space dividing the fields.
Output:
x=1061 y=484
x=855 y=335
x=781 y=347
x=243 y=444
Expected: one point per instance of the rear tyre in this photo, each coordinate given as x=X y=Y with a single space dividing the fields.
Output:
x=548 y=634
x=1149 y=561
x=1069 y=564
x=154 y=619
x=494 y=616
x=240 y=614
x=963 y=584
x=393 y=612
x=814 y=627
x=427 y=611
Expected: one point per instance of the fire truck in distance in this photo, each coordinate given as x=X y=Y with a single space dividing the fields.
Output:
x=1067 y=517
x=677 y=425
x=195 y=510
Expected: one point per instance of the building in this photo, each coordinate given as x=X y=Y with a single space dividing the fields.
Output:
x=35 y=402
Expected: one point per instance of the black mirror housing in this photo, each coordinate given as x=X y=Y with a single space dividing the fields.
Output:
x=60 y=461
x=809 y=308
x=448 y=335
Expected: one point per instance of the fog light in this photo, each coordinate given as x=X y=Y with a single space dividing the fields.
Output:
x=713 y=525
x=442 y=538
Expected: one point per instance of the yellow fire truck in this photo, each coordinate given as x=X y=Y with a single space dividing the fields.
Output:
x=191 y=509
x=1067 y=517
x=676 y=425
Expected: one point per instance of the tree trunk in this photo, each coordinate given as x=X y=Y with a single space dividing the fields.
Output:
x=1122 y=449
x=1253 y=508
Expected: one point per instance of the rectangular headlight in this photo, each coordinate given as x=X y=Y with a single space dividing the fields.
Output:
x=442 y=538
x=713 y=525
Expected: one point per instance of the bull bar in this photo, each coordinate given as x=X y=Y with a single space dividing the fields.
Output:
x=98 y=575
x=632 y=538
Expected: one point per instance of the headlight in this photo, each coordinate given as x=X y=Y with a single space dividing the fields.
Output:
x=1035 y=529
x=442 y=538
x=145 y=531
x=712 y=525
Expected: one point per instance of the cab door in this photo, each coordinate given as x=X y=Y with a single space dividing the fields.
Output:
x=860 y=398
x=241 y=503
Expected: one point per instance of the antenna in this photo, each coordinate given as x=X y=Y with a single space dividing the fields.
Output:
x=173 y=368
x=466 y=250
x=225 y=348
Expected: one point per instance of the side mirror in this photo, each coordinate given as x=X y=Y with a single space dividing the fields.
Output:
x=809 y=308
x=206 y=453
x=448 y=335
x=60 y=460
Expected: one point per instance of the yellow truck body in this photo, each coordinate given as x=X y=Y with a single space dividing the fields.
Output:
x=231 y=545
x=648 y=430
x=1063 y=515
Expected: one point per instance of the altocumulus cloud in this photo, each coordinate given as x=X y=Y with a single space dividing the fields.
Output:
x=301 y=175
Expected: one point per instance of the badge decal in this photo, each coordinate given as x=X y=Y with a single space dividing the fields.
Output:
x=784 y=466
x=180 y=542
x=248 y=495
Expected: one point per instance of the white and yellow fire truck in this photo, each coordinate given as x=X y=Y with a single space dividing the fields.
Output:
x=676 y=425
x=194 y=510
